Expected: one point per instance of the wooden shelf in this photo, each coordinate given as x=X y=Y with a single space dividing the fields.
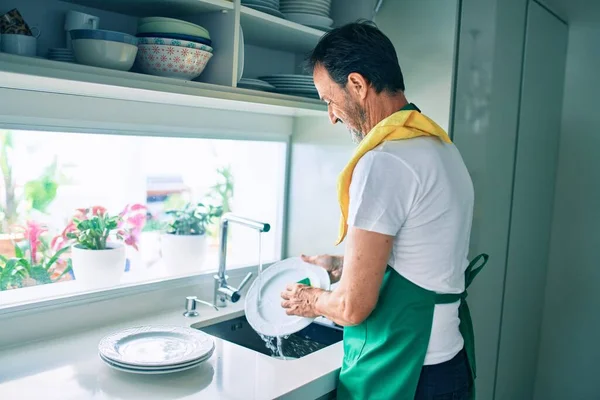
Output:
x=113 y=83
x=266 y=30
x=163 y=8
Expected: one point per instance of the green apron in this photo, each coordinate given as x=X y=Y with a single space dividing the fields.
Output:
x=384 y=355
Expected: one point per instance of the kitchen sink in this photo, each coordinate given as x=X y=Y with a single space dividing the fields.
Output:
x=314 y=337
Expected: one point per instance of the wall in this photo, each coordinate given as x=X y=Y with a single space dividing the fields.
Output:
x=569 y=351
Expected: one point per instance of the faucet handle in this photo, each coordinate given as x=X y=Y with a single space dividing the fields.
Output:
x=245 y=281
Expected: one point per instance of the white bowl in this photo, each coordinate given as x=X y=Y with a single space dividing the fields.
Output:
x=105 y=54
x=172 y=61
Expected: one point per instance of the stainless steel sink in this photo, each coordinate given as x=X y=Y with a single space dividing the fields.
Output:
x=314 y=337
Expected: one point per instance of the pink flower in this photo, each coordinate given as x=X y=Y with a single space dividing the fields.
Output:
x=58 y=242
x=98 y=211
x=33 y=231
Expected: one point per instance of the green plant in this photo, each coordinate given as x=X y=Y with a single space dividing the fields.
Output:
x=222 y=191
x=153 y=225
x=193 y=219
x=92 y=227
x=39 y=193
x=33 y=262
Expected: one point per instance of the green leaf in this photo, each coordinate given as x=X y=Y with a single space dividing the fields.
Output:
x=18 y=251
x=55 y=257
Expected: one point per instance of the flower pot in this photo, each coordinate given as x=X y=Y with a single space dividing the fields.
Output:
x=7 y=243
x=99 y=268
x=183 y=253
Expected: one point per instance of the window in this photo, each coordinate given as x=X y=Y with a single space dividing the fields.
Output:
x=148 y=181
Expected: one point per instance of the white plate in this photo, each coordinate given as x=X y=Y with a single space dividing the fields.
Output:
x=319 y=2
x=269 y=317
x=286 y=78
x=255 y=84
x=241 y=55
x=267 y=10
x=158 y=368
x=309 y=19
x=264 y=3
x=161 y=346
x=308 y=9
x=150 y=372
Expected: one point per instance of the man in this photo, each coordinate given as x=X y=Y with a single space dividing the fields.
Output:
x=407 y=201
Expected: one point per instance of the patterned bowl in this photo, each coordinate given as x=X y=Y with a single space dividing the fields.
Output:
x=174 y=42
x=172 y=61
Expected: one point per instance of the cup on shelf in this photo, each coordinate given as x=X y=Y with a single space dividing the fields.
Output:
x=22 y=45
x=13 y=23
x=79 y=20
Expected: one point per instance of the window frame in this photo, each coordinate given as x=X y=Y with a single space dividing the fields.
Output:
x=30 y=110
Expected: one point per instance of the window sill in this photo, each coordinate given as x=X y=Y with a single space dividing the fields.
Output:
x=18 y=302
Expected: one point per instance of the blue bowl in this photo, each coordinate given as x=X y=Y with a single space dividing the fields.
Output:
x=100 y=34
x=196 y=39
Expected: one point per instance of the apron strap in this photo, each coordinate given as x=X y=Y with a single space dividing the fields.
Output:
x=474 y=268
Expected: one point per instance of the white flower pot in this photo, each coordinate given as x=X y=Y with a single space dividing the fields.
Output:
x=99 y=268
x=183 y=253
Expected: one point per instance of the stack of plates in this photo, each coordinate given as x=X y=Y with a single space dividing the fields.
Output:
x=297 y=85
x=313 y=13
x=255 y=84
x=61 y=54
x=266 y=6
x=156 y=349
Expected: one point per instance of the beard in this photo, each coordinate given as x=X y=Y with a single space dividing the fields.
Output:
x=357 y=117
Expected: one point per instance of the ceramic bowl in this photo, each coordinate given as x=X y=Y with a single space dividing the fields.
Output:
x=172 y=61
x=100 y=34
x=174 y=42
x=170 y=25
x=105 y=54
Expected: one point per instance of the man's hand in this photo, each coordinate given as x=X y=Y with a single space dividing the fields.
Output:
x=300 y=300
x=332 y=264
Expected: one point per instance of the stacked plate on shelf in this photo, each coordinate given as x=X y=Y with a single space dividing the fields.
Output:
x=156 y=349
x=296 y=85
x=313 y=13
x=255 y=84
x=266 y=6
x=61 y=54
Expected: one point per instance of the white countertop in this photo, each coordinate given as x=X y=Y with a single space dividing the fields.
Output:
x=69 y=368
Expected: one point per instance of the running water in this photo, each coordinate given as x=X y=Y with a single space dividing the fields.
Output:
x=260 y=267
x=275 y=348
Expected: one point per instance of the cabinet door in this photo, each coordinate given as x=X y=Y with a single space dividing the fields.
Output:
x=533 y=194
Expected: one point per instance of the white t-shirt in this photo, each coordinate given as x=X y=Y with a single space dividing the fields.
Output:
x=419 y=191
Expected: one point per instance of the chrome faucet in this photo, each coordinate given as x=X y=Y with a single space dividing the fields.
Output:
x=223 y=291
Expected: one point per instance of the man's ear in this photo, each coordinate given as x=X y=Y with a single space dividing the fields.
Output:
x=357 y=85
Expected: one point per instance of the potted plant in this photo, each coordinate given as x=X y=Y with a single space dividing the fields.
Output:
x=184 y=243
x=98 y=242
x=32 y=266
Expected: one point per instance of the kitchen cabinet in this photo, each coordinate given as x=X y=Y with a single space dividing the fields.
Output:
x=536 y=160
x=265 y=44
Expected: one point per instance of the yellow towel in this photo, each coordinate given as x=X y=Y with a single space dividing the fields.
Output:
x=400 y=125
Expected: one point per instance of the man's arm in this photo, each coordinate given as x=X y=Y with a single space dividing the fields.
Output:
x=350 y=303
